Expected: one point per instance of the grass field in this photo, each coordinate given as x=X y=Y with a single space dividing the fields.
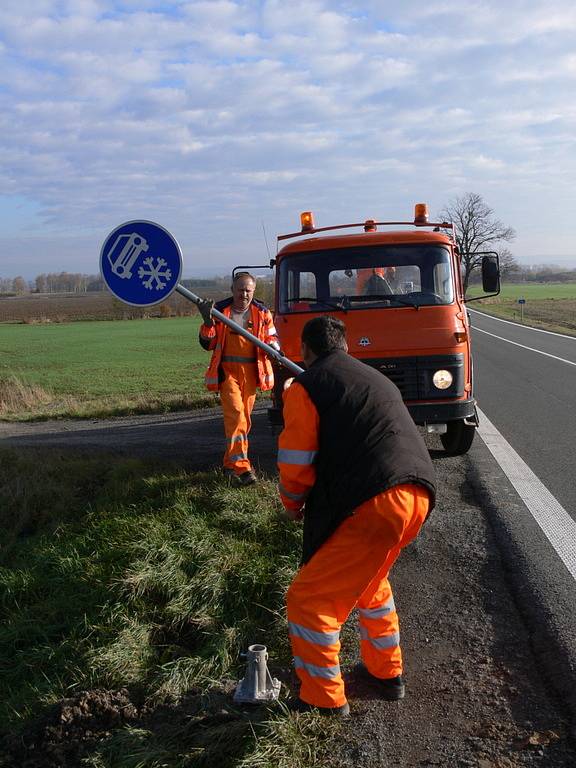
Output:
x=141 y=585
x=551 y=306
x=101 y=368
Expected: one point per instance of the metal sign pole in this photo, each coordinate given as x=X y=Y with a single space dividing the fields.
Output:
x=295 y=369
x=522 y=301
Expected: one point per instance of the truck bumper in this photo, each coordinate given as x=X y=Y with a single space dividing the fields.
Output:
x=440 y=413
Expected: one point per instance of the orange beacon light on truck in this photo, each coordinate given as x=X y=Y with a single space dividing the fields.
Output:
x=421 y=213
x=307 y=221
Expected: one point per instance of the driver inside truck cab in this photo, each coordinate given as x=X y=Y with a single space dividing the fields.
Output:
x=375 y=280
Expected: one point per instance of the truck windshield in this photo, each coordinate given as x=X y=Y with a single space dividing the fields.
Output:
x=379 y=276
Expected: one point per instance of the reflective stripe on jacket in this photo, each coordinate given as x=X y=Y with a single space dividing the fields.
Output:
x=212 y=338
x=297 y=447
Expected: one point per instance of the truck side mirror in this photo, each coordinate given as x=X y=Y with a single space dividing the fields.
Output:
x=490 y=273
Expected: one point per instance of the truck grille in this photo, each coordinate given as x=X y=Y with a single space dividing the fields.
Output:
x=413 y=375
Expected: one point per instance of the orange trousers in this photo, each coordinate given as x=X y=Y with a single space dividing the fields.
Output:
x=351 y=569
x=237 y=395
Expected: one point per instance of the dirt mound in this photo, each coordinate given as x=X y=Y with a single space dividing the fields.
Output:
x=70 y=728
x=206 y=723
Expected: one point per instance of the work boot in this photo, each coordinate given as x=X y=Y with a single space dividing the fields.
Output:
x=228 y=473
x=245 y=479
x=390 y=689
x=297 y=705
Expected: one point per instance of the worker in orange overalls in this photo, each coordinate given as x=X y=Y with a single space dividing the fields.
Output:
x=355 y=468
x=238 y=367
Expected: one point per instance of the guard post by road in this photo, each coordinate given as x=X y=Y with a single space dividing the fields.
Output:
x=141 y=263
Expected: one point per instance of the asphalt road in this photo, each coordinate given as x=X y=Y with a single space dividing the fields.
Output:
x=525 y=382
x=526 y=385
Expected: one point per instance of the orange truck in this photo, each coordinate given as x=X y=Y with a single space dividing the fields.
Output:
x=398 y=288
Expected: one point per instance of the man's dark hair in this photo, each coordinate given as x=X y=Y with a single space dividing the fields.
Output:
x=324 y=334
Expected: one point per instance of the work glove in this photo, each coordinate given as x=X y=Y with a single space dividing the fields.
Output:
x=205 y=308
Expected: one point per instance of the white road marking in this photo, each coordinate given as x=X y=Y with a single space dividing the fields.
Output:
x=555 y=522
x=521 y=325
x=531 y=349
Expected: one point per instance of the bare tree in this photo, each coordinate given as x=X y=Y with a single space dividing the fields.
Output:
x=5 y=285
x=508 y=264
x=19 y=285
x=41 y=283
x=477 y=230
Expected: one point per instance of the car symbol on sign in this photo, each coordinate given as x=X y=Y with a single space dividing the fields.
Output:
x=124 y=253
x=364 y=341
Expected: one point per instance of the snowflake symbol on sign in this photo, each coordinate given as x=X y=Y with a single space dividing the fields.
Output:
x=154 y=273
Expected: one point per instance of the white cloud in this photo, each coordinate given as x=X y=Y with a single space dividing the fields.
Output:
x=272 y=177
x=487 y=163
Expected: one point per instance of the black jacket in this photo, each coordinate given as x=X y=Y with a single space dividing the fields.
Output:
x=368 y=443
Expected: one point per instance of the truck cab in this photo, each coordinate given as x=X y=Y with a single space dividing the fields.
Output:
x=399 y=292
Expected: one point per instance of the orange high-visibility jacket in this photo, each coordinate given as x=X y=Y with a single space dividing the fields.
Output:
x=213 y=339
x=297 y=448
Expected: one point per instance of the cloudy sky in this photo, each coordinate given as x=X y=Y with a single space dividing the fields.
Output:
x=223 y=119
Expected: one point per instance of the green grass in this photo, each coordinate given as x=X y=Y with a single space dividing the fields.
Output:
x=274 y=741
x=550 y=306
x=115 y=575
x=101 y=368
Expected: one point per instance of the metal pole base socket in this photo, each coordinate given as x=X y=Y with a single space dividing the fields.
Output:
x=257 y=685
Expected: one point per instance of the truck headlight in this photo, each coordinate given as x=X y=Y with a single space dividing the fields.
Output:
x=442 y=379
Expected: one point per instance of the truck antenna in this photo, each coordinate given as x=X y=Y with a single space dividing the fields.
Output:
x=266 y=239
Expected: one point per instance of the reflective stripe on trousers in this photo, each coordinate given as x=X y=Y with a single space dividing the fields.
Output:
x=351 y=569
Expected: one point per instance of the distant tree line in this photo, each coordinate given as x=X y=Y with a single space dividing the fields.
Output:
x=75 y=282
x=540 y=273
x=71 y=282
x=52 y=282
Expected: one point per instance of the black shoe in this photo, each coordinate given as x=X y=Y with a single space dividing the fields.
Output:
x=390 y=688
x=245 y=479
x=297 y=705
x=228 y=473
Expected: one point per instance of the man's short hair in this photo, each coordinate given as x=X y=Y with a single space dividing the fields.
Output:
x=324 y=334
x=238 y=275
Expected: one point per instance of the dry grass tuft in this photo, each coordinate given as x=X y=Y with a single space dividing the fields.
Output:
x=20 y=401
x=16 y=395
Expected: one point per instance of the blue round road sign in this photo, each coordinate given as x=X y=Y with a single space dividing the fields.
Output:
x=141 y=263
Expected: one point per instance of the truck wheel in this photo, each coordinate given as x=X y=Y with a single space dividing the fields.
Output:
x=458 y=437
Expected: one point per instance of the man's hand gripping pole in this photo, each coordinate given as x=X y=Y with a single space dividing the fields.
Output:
x=270 y=351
